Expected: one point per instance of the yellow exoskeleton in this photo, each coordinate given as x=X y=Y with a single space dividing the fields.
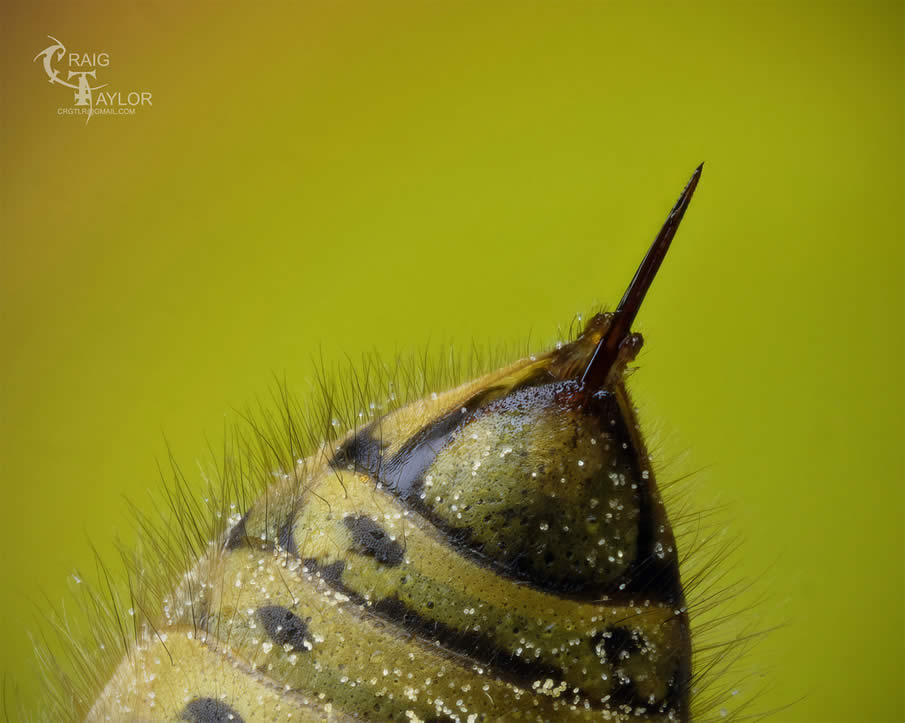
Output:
x=499 y=551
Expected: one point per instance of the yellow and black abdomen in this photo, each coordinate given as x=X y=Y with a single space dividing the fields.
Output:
x=497 y=552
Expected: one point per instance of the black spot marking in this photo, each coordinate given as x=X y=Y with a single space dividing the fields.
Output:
x=209 y=710
x=283 y=626
x=372 y=540
x=616 y=642
x=238 y=535
x=618 y=645
x=331 y=574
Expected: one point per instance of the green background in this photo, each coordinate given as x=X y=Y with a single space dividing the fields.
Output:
x=337 y=177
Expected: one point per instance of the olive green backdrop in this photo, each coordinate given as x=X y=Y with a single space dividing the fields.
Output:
x=334 y=177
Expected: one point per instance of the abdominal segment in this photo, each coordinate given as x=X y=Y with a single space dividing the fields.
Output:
x=498 y=552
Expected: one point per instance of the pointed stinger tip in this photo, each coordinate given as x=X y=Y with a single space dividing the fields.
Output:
x=620 y=327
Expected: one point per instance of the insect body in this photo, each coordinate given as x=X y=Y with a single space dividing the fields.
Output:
x=499 y=551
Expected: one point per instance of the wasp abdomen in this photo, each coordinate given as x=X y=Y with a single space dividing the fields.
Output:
x=425 y=556
x=509 y=576
x=495 y=552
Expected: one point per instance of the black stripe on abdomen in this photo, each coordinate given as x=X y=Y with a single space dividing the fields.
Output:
x=402 y=475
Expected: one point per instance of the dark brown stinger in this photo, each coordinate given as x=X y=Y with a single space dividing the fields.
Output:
x=607 y=350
